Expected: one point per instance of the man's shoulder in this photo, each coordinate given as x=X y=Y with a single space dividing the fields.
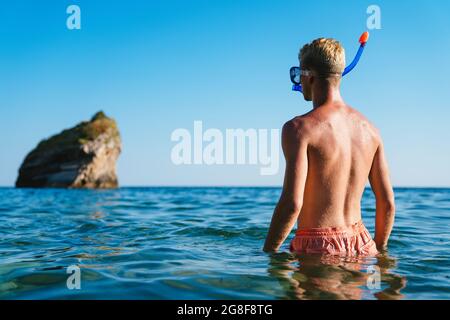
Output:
x=298 y=128
x=368 y=125
x=363 y=119
x=295 y=124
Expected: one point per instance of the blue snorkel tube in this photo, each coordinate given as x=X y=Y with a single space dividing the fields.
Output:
x=295 y=71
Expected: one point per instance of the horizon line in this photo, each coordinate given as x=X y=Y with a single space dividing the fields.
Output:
x=221 y=186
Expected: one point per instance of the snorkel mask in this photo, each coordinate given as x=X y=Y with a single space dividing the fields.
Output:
x=295 y=72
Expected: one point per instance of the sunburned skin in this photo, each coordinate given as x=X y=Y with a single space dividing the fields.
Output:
x=341 y=144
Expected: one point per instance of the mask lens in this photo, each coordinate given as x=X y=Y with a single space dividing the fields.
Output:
x=295 y=75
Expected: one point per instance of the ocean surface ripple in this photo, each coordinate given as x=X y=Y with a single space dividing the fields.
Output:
x=206 y=243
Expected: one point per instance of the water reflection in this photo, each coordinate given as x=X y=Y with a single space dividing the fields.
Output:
x=333 y=277
x=395 y=282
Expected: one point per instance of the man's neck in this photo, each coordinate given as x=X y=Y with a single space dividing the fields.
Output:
x=326 y=95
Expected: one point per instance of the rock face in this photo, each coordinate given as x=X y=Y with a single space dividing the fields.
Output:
x=81 y=157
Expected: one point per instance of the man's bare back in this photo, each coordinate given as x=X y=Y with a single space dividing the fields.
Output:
x=330 y=154
x=341 y=147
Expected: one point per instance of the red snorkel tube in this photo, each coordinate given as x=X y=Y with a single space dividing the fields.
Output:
x=295 y=71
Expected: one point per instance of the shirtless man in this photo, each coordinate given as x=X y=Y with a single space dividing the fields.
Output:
x=330 y=152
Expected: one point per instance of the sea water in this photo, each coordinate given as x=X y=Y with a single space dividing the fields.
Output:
x=206 y=243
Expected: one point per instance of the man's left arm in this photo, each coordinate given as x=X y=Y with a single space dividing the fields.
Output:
x=290 y=203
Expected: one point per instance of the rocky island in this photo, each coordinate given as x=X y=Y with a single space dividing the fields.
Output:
x=80 y=157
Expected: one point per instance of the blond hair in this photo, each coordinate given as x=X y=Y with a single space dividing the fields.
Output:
x=324 y=55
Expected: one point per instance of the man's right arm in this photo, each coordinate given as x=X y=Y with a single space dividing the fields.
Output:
x=384 y=195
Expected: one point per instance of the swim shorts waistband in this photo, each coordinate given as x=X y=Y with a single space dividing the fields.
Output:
x=353 y=229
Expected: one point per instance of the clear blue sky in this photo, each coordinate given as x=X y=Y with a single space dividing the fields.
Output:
x=159 y=65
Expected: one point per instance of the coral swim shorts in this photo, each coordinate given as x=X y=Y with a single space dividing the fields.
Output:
x=353 y=240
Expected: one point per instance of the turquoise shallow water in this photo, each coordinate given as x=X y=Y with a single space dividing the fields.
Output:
x=205 y=243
